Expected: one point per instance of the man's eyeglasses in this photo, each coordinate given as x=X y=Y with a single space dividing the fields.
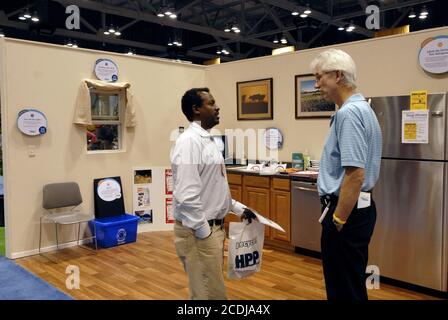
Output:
x=320 y=75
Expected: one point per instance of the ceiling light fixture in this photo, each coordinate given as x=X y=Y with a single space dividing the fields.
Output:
x=173 y=16
x=307 y=10
x=118 y=33
x=412 y=14
x=27 y=14
x=303 y=15
x=112 y=29
x=35 y=18
x=283 y=40
x=294 y=13
x=351 y=27
x=424 y=12
x=275 y=40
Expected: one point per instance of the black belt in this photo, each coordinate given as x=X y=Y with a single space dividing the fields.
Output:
x=216 y=222
x=332 y=198
x=328 y=198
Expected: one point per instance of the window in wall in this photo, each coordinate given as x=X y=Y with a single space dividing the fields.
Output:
x=105 y=133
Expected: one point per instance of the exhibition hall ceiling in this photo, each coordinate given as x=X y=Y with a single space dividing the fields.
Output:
x=201 y=30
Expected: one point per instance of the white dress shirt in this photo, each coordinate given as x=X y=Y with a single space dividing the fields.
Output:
x=200 y=190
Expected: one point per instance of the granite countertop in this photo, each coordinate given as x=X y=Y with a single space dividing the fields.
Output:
x=277 y=175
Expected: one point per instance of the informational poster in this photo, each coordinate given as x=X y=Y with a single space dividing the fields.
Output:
x=414 y=126
x=433 y=55
x=32 y=122
x=152 y=197
x=142 y=195
x=273 y=138
x=169 y=210
x=168 y=182
x=108 y=197
x=419 y=100
x=106 y=70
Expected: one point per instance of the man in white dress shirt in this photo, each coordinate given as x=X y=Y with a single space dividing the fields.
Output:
x=201 y=198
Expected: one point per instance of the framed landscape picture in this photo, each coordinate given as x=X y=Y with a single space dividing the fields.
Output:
x=254 y=100
x=309 y=101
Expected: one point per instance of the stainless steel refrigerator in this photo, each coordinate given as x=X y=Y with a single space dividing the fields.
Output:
x=410 y=238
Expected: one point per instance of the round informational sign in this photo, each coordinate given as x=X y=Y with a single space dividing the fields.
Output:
x=32 y=122
x=433 y=56
x=273 y=138
x=106 y=70
x=109 y=190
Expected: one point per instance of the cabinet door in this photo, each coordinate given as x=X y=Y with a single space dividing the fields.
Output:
x=281 y=213
x=258 y=199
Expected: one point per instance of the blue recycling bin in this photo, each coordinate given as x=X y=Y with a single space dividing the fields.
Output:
x=115 y=230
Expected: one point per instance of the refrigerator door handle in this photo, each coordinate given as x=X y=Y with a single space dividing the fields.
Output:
x=437 y=113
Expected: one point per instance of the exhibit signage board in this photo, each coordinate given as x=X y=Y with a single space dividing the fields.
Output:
x=433 y=55
x=106 y=70
x=32 y=122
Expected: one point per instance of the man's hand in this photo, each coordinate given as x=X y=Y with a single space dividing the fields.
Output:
x=248 y=215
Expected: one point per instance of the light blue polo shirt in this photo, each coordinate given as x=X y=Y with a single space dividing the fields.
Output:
x=354 y=140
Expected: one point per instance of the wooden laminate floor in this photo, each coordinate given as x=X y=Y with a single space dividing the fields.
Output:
x=150 y=269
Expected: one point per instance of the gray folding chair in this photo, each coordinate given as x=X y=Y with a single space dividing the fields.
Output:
x=63 y=196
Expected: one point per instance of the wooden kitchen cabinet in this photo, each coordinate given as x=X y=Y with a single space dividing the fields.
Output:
x=281 y=213
x=281 y=208
x=271 y=197
x=259 y=200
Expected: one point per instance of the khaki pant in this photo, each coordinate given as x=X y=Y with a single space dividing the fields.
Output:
x=203 y=262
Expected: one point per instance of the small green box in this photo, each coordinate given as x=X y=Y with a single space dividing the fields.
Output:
x=297 y=160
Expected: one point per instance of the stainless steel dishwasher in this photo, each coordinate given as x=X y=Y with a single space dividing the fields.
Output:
x=305 y=227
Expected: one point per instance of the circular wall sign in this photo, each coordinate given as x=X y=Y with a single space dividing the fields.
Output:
x=109 y=190
x=433 y=56
x=32 y=122
x=273 y=138
x=106 y=70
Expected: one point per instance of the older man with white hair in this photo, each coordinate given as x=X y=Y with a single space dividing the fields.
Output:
x=349 y=169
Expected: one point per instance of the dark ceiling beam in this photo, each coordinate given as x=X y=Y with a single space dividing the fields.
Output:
x=130 y=24
x=382 y=9
x=288 y=5
x=88 y=25
x=13 y=13
x=318 y=35
x=95 y=38
x=300 y=45
x=204 y=17
x=187 y=6
x=402 y=16
x=254 y=27
x=96 y=6
x=278 y=22
x=363 y=4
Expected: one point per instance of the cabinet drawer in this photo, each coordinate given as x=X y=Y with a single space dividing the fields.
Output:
x=234 y=178
x=281 y=184
x=260 y=182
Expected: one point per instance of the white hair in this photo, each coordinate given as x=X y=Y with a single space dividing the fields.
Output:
x=336 y=60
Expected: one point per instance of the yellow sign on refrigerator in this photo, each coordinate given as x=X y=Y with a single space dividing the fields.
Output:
x=419 y=100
